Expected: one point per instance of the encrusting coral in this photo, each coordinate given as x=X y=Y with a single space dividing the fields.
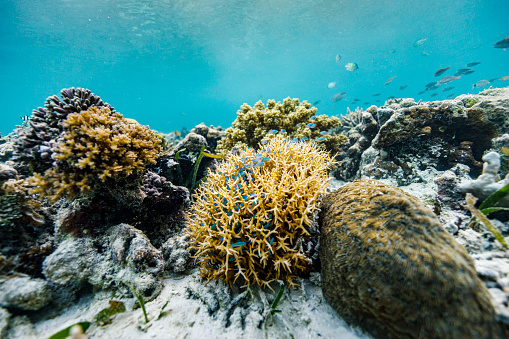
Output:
x=95 y=145
x=252 y=218
x=389 y=267
x=292 y=118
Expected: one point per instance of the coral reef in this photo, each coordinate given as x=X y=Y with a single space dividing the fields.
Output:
x=252 y=218
x=123 y=254
x=177 y=253
x=389 y=267
x=298 y=120
x=24 y=293
x=95 y=145
x=36 y=138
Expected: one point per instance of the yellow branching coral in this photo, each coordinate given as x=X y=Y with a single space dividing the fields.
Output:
x=96 y=145
x=295 y=119
x=252 y=216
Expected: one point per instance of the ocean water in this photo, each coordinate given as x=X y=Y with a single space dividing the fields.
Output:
x=175 y=63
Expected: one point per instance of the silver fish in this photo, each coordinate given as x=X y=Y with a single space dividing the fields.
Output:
x=389 y=80
x=480 y=84
x=338 y=96
x=447 y=79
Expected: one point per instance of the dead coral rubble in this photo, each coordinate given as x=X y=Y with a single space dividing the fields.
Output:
x=389 y=267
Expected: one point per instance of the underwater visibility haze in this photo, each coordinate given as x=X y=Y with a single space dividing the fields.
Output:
x=170 y=64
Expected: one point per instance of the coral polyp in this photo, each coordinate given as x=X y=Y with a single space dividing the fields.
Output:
x=252 y=218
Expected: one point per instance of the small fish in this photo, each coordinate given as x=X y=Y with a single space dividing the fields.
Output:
x=421 y=92
x=282 y=131
x=177 y=133
x=462 y=71
x=469 y=72
x=435 y=94
x=492 y=79
x=448 y=88
x=317 y=102
x=323 y=132
x=447 y=79
x=273 y=131
x=366 y=103
x=505 y=78
x=391 y=97
x=313 y=118
x=432 y=84
x=356 y=100
x=480 y=84
x=402 y=87
x=25 y=118
x=376 y=94
x=504 y=43
x=452 y=95
x=390 y=80
x=441 y=71
x=320 y=139
x=392 y=51
x=420 y=42
x=338 y=57
x=351 y=66
x=338 y=96
x=331 y=84
x=311 y=125
x=472 y=64
x=424 y=53
x=304 y=138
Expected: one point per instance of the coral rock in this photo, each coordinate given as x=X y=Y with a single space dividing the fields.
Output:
x=24 y=293
x=389 y=267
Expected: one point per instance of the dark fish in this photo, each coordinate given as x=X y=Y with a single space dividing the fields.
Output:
x=421 y=92
x=462 y=71
x=448 y=88
x=435 y=94
x=366 y=103
x=389 y=80
x=356 y=100
x=469 y=72
x=492 y=79
x=431 y=84
x=316 y=102
x=403 y=87
x=376 y=94
x=447 y=79
x=377 y=101
x=391 y=97
x=441 y=71
x=338 y=96
x=25 y=118
x=504 y=43
x=472 y=64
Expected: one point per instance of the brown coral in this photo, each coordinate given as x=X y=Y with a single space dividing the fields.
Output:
x=96 y=145
x=389 y=267
x=297 y=119
x=252 y=217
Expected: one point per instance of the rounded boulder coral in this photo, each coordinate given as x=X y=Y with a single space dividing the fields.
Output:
x=252 y=218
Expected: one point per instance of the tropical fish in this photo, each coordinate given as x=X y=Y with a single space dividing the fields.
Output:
x=390 y=80
x=469 y=72
x=331 y=84
x=338 y=57
x=504 y=43
x=505 y=78
x=447 y=79
x=472 y=64
x=376 y=94
x=441 y=71
x=351 y=66
x=462 y=71
x=25 y=118
x=480 y=84
x=448 y=88
x=311 y=125
x=177 y=133
x=338 y=96
x=420 y=42
x=432 y=84
x=403 y=87
x=492 y=79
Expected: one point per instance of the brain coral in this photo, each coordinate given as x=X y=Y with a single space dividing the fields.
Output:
x=298 y=120
x=252 y=217
x=95 y=145
x=34 y=147
x=389 y=267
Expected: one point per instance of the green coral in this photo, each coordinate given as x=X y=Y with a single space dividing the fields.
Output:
x=472 y=101
x=252 y=218
x=389 y=266
x=299 y=120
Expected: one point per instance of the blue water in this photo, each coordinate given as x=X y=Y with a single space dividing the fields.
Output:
x=175 y=63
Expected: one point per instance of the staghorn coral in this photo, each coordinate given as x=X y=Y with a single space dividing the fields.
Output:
x=389 y=267
x=36 y=137
x=94 y=146
x=252 y=218
x=253 y=124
